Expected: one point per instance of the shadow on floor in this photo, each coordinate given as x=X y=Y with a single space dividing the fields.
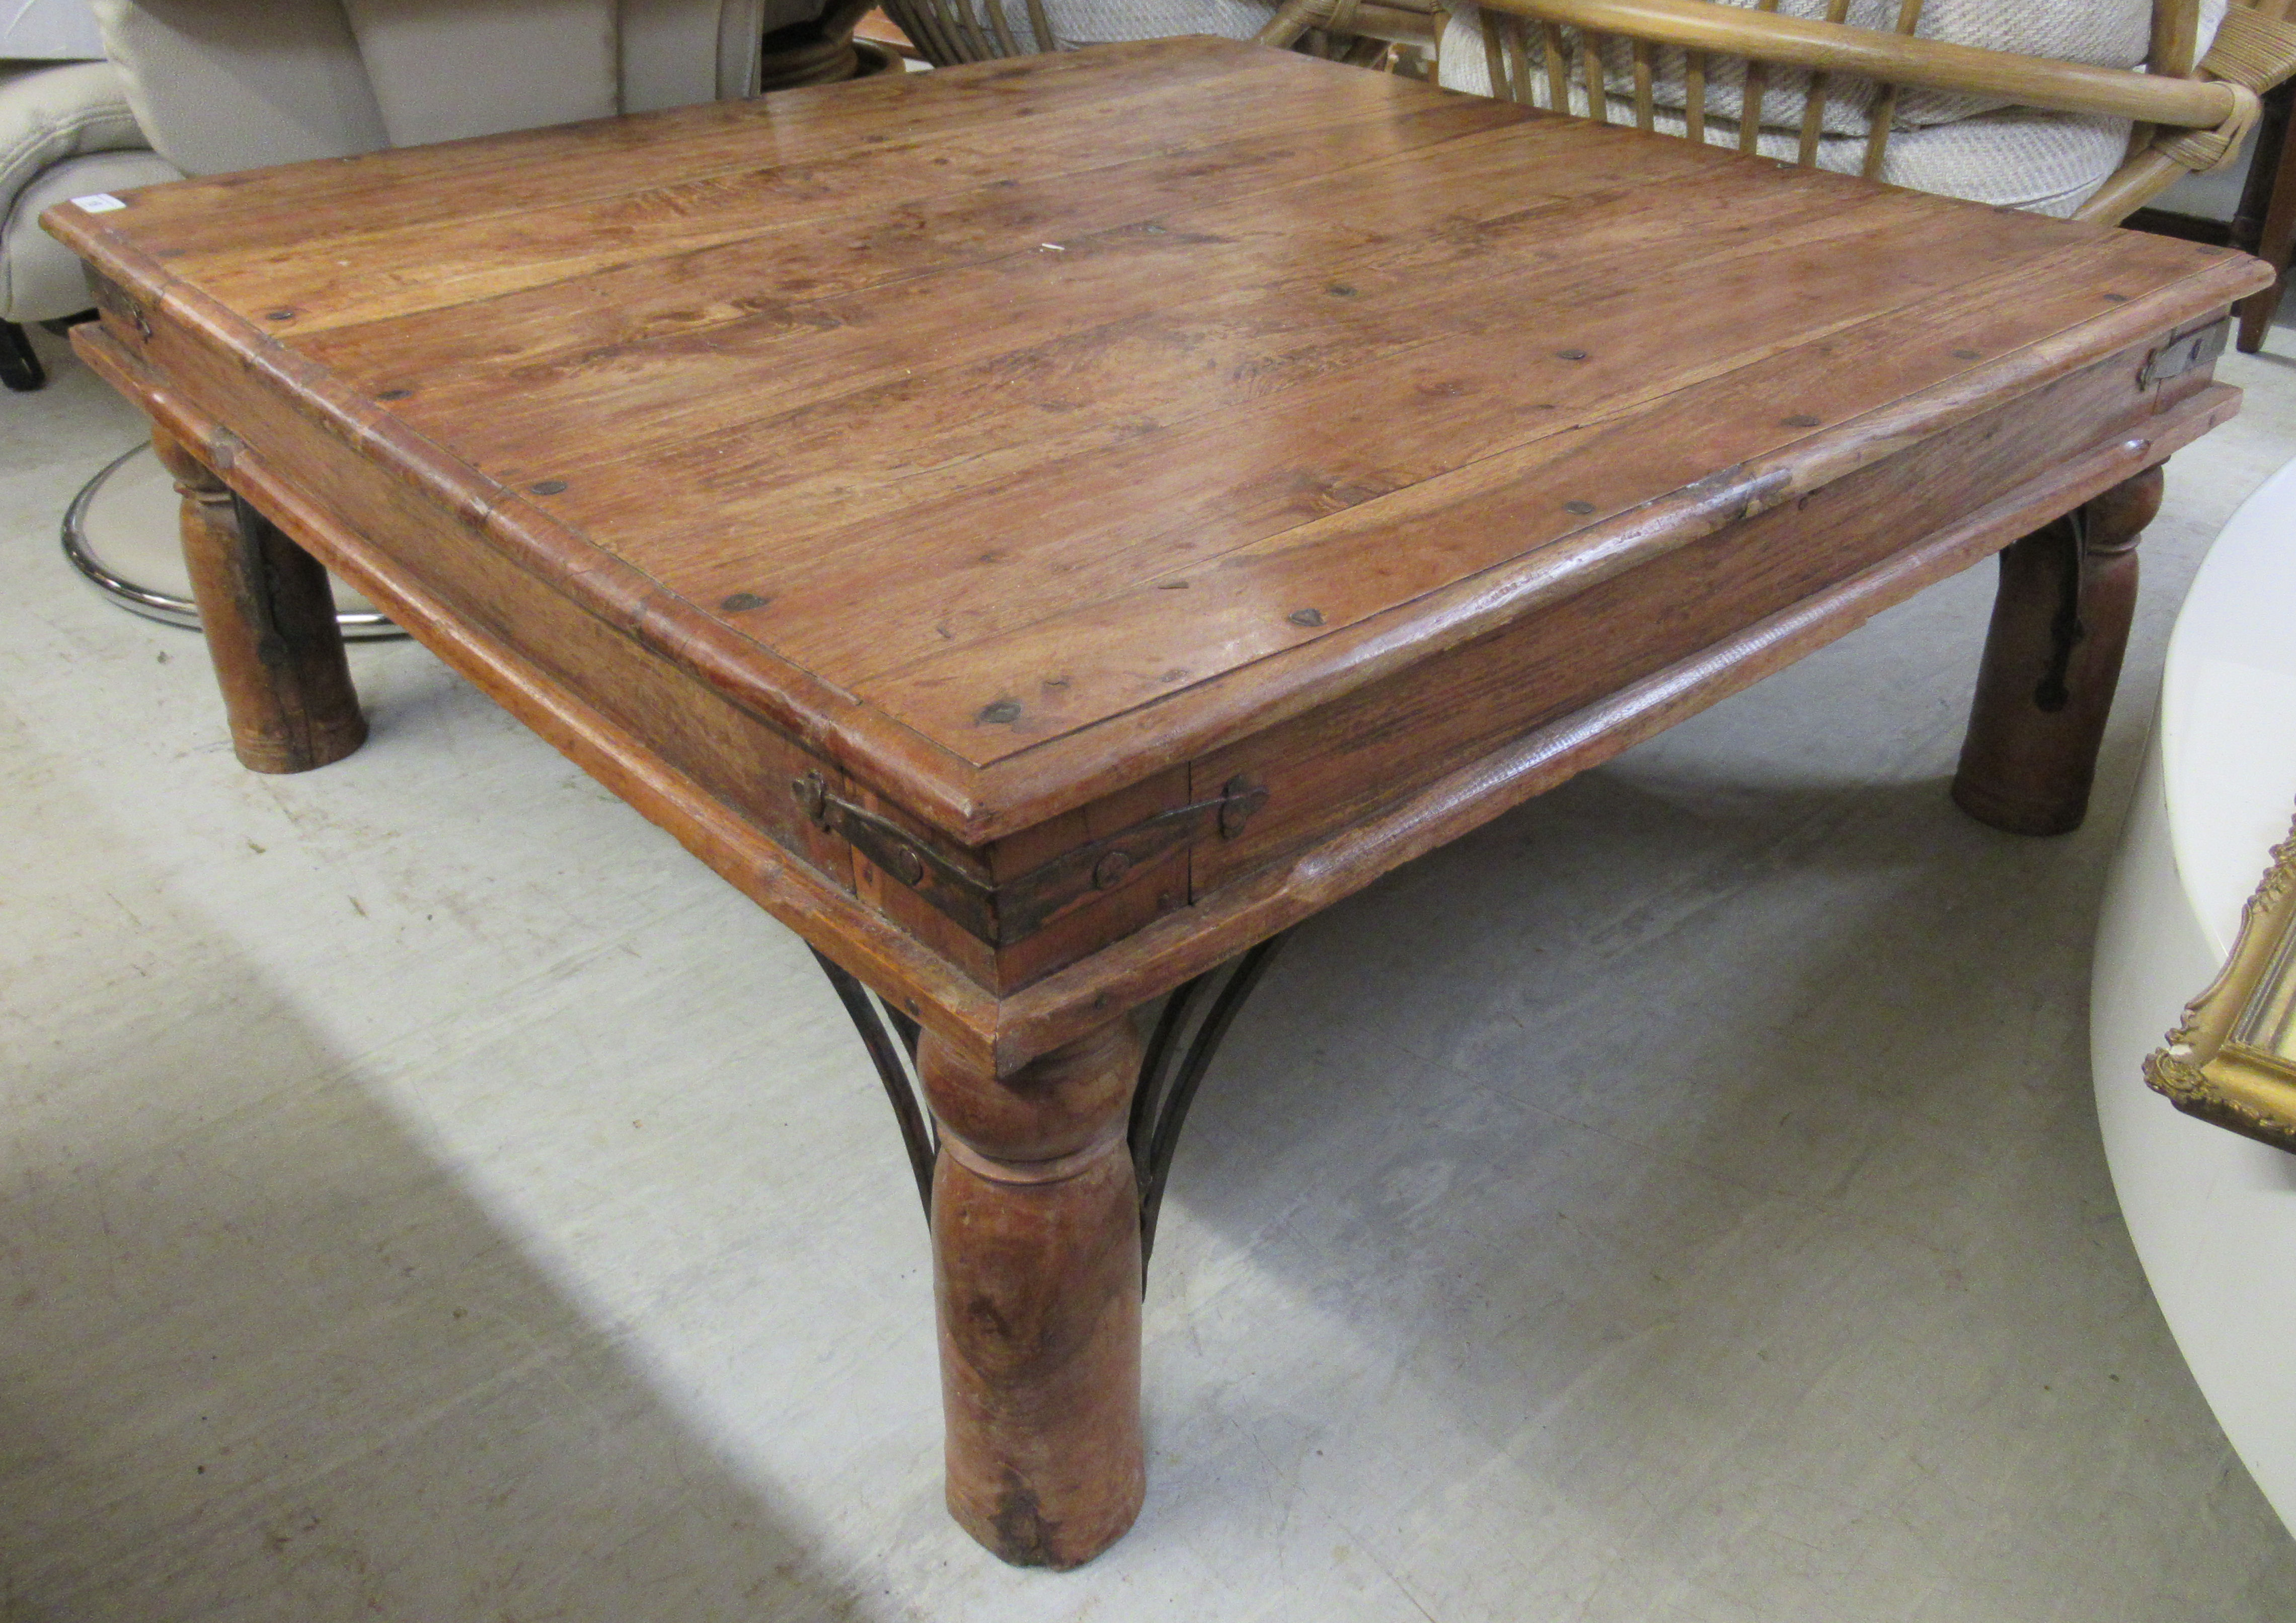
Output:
x=1702 y=1171
x=267 y=1359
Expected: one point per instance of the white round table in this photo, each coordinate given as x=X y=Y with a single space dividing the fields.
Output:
x=2213 y=1214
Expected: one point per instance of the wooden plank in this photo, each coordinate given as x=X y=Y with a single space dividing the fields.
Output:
x=600 y=159
x=1064 y=449
x=1021 y=787
x=1257 y=905
x=664 y=353
x=1337 y=764
x=1433 y=525
x=1071 y=423
x=378 y=271
x=707 y=310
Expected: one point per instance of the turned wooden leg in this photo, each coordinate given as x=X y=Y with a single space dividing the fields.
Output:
x=1035 y=1225
x=2051 y=658
x=270 y=626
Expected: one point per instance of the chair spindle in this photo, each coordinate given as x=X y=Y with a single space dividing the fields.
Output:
x=1812 y=112
x=1757 y=84
x=1594 y=77
x=960 y=30
x=1885 y=105
x=1517 y=33
x=1006 y=46
x=1749 y=105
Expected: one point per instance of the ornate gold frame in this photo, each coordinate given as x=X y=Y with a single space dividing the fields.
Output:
x=2232 y=1058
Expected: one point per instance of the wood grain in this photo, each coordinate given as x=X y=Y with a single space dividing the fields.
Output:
x=937 y=468
x=1251 y=908
x=1384 y=517
x=1328 y=768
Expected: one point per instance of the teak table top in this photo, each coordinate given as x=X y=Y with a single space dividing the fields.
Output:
x=1019 y=431
x=1044 y=528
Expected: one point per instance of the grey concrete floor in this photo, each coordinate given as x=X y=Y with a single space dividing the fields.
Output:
x=428 y=1194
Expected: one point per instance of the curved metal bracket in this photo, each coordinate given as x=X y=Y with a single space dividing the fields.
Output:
x=1159 y=1112
x=891 y=1037
x=1195 y=1017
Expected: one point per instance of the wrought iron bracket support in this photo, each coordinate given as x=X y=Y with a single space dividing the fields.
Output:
x=891 y=1037
x=1160 y=1107
x=1188 y=1032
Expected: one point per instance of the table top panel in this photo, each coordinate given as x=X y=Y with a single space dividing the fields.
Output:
x=1065 y=417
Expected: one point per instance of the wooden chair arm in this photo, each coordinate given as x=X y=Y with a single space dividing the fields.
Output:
x=2253 y=50
x=1828 y=47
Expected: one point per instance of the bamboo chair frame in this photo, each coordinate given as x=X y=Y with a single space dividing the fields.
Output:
x=2188 y=117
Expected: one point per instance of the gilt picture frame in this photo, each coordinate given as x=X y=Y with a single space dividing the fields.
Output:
x=2232 y=1059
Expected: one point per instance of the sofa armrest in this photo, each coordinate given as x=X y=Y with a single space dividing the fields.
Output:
x=52 y=114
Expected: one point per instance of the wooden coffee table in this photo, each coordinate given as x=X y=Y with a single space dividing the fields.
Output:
x=1042 y=528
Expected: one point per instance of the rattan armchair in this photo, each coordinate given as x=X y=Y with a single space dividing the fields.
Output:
x=1805 y=88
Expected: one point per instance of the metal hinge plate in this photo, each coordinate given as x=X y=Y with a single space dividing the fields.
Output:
x=1002 y=914
x=2186 y=352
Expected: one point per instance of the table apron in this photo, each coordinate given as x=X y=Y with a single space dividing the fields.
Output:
x=1354 y=788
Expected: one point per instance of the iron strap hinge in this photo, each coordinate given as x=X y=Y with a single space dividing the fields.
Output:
x=962 y=894
x=1001 y=914
x=2186 y=352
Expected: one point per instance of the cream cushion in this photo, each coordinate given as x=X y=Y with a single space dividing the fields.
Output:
x=1092 y=22
x=220 y=88
x=65 y=131
x=442 y=72
x=41 y=279
x=221 y=85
